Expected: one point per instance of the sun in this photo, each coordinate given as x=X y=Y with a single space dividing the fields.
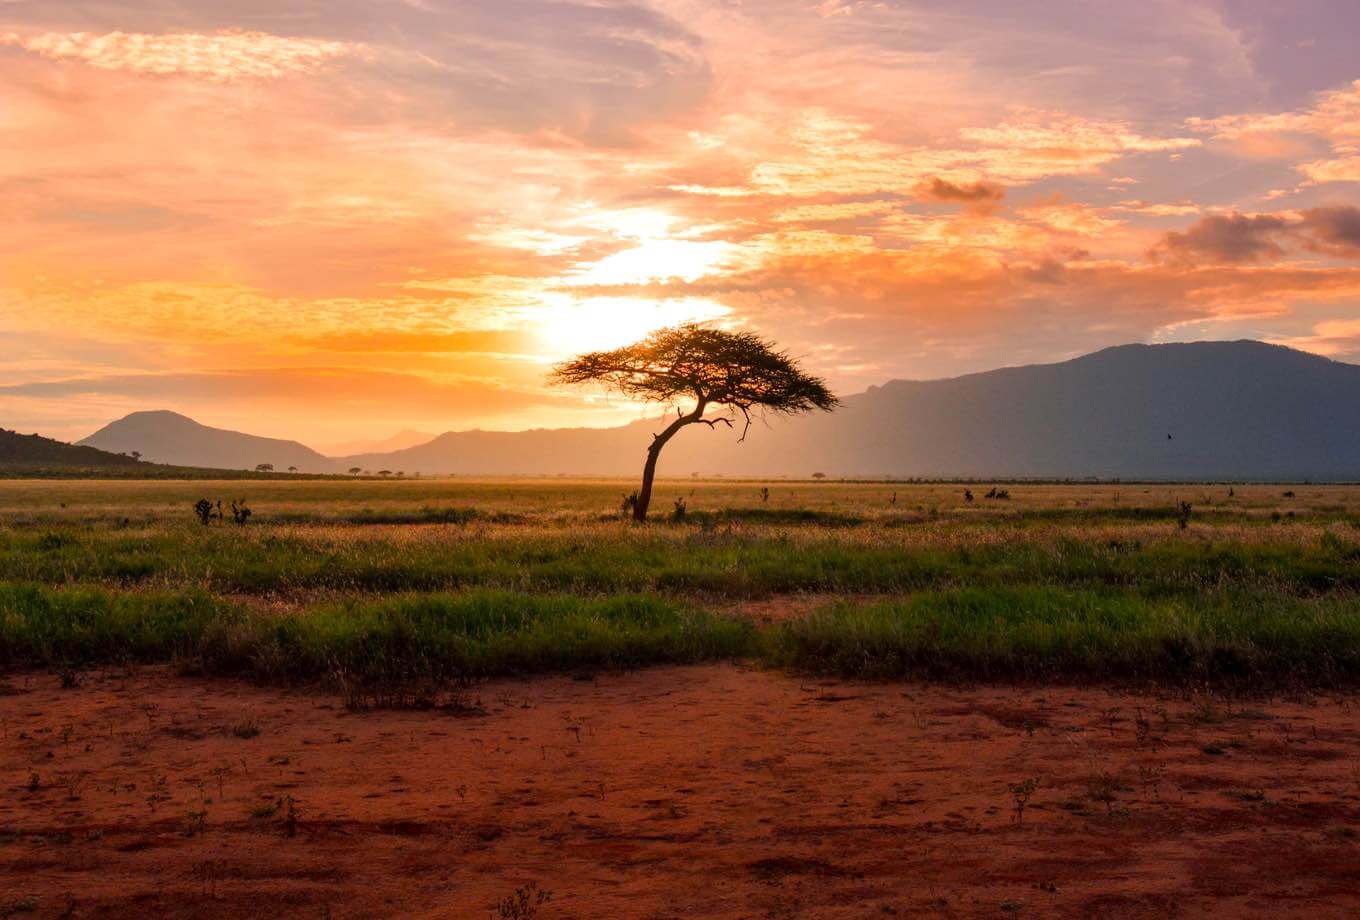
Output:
x=571 y=326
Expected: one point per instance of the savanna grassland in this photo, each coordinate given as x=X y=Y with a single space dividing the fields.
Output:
x=1243 y=585
x=472 y=698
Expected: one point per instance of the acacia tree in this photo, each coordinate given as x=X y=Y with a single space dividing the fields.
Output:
x=699 y=367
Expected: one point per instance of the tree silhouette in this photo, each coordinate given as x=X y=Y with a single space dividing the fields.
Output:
x=292 y=469
x=355 y=470
x=737 y=371
x=264 y=467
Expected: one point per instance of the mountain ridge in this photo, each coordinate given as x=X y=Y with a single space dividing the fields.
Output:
x=1202 y=410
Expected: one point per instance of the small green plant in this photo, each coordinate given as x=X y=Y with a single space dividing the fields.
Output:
x=524 y=904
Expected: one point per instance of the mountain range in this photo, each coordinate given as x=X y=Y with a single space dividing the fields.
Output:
x=1204 y=410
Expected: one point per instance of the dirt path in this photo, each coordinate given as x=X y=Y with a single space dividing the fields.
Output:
x=699 y=792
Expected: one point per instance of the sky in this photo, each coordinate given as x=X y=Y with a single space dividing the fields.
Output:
x=332 y=220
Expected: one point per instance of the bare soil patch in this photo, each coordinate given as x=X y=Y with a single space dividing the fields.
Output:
x=678 y=792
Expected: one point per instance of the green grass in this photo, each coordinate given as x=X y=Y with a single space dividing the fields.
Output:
x=1034 y=633
x=435 y=636
x=617 y=558
x=1025 y=633
x=448 y=580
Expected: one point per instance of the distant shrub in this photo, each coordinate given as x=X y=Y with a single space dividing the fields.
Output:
x=204 y=509
x=240 y=512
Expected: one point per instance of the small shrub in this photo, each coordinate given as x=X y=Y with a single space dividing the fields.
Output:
x=240 y=513
x=204 y=510
x=246 y=728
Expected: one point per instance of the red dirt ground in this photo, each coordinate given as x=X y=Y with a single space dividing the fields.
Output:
x=686 y=792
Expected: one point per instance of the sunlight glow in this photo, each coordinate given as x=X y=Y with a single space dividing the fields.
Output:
x=573 y=326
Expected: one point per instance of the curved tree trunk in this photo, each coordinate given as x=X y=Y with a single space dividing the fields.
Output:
x=644 y=498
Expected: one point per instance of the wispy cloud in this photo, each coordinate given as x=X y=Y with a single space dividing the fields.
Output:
x=221 y=57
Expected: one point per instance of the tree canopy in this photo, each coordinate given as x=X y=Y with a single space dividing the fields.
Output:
x=738 y=371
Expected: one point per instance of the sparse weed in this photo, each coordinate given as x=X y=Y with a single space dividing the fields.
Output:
x=1021 y=793
x=524 y=904
x=1103 y=788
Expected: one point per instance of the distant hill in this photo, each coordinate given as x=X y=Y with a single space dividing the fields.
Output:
x=1204 y=410
x=168 y=437
x=399 y=441
x=32 y=452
